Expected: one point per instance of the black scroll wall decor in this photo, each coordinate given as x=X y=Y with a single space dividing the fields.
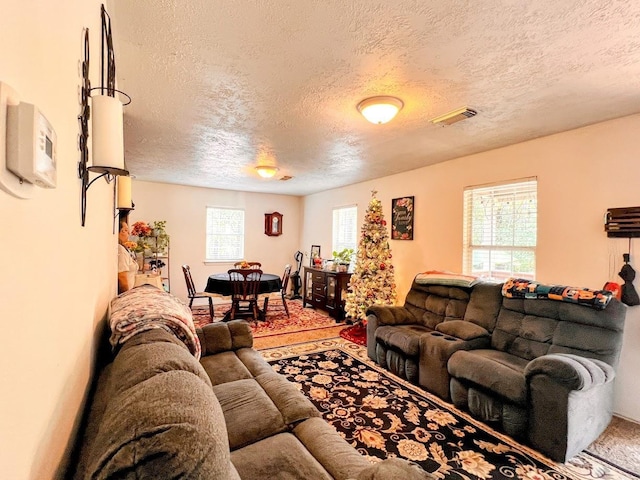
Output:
x=107 y=87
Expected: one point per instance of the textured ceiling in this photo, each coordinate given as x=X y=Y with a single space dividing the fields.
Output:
x=219 y=86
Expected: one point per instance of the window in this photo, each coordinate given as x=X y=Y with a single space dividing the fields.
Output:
x=345 y=228
x=225 y=234
x=500 y=229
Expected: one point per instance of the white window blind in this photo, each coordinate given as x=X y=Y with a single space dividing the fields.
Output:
x=345 y=228
x=225 y=234
x=500 y=229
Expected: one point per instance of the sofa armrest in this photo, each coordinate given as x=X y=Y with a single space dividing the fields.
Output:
x=462 y=329
x=224 y=336
x=391 y=315
x=571 y=371
x=570 y=403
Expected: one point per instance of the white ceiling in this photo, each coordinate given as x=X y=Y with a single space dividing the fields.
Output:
x=221 y=85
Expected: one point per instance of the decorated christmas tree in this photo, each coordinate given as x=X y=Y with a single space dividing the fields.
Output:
x=372 y=282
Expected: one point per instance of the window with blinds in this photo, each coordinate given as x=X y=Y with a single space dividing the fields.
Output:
x=345 y=228
x=225 y=234
x=500 y=229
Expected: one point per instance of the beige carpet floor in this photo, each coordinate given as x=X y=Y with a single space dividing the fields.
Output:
x=620 y=444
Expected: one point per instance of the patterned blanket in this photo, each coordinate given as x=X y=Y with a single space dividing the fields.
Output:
x=522 y=288
x=146 y=307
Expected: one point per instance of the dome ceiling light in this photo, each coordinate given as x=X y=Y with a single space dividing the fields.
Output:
x=266 y=171
x=380 y=110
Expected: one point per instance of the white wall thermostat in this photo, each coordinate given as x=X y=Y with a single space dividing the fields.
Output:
x=31 y=145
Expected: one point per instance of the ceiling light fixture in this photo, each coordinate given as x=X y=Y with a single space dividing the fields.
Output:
x=380 y=110
x=266 y=171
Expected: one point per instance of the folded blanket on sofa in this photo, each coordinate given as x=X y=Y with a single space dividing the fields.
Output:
x=449 y=279
x=146 y=307
x=522 y=288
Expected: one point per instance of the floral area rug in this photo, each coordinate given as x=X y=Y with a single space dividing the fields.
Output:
x=276 y=321
x=383 y=416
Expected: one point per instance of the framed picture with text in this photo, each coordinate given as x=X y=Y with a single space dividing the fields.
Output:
x=402 y=210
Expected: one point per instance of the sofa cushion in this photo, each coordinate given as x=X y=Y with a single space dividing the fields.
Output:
x=495 y=371
x=281 y=456
x=395 y=468
x=530 y=328
x=432 y=304
x=223 y=336
x=253 y=361
x=484 y=305
x=249 y=413
x=339 y=458
x=179 y=433
x=526 y=335
x=225 y=367
x=293 y=406
x=405 y=338
x=462 y=330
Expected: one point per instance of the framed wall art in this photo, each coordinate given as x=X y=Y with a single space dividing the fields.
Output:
x=315 y=253
x=402 y=210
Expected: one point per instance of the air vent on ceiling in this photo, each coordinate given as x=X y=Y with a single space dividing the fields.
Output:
x=286 y=177
x=454 y=116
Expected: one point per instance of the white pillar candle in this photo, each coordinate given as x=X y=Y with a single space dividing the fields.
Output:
x=124 y=192
x=107 y=137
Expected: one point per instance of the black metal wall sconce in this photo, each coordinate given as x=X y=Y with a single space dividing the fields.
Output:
x=106 y=114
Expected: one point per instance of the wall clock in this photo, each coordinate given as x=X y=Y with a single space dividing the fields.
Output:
x=273 y=224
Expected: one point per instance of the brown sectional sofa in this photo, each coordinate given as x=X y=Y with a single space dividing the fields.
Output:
x=158 y=412
x=540 y=370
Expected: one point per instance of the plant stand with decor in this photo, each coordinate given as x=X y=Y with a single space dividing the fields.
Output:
x=158 y=258
x=152 y=242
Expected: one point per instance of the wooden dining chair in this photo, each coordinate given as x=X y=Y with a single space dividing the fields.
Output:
x=241 y=265
x=245 y=284
x=279 y=295
x=193 y=294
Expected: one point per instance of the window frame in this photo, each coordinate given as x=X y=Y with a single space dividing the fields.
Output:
x=207 y=234
x=336 y=244
x=519 y=189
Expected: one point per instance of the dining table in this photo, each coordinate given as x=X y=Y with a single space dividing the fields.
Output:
x=220 y=283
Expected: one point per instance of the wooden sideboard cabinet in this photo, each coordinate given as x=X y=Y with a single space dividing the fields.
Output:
x=326 y=290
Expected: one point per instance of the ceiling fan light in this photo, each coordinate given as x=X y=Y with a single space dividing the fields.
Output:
x=380 y=110
x=266 y=171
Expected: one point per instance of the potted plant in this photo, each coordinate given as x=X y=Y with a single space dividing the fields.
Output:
x=343 y=258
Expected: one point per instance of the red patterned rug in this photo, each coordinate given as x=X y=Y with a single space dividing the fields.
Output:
x=276 y=322
x=355 y=333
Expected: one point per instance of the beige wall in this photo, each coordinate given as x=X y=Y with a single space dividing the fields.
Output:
x=580 y=174
x=184 y=210
x=57 y=277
